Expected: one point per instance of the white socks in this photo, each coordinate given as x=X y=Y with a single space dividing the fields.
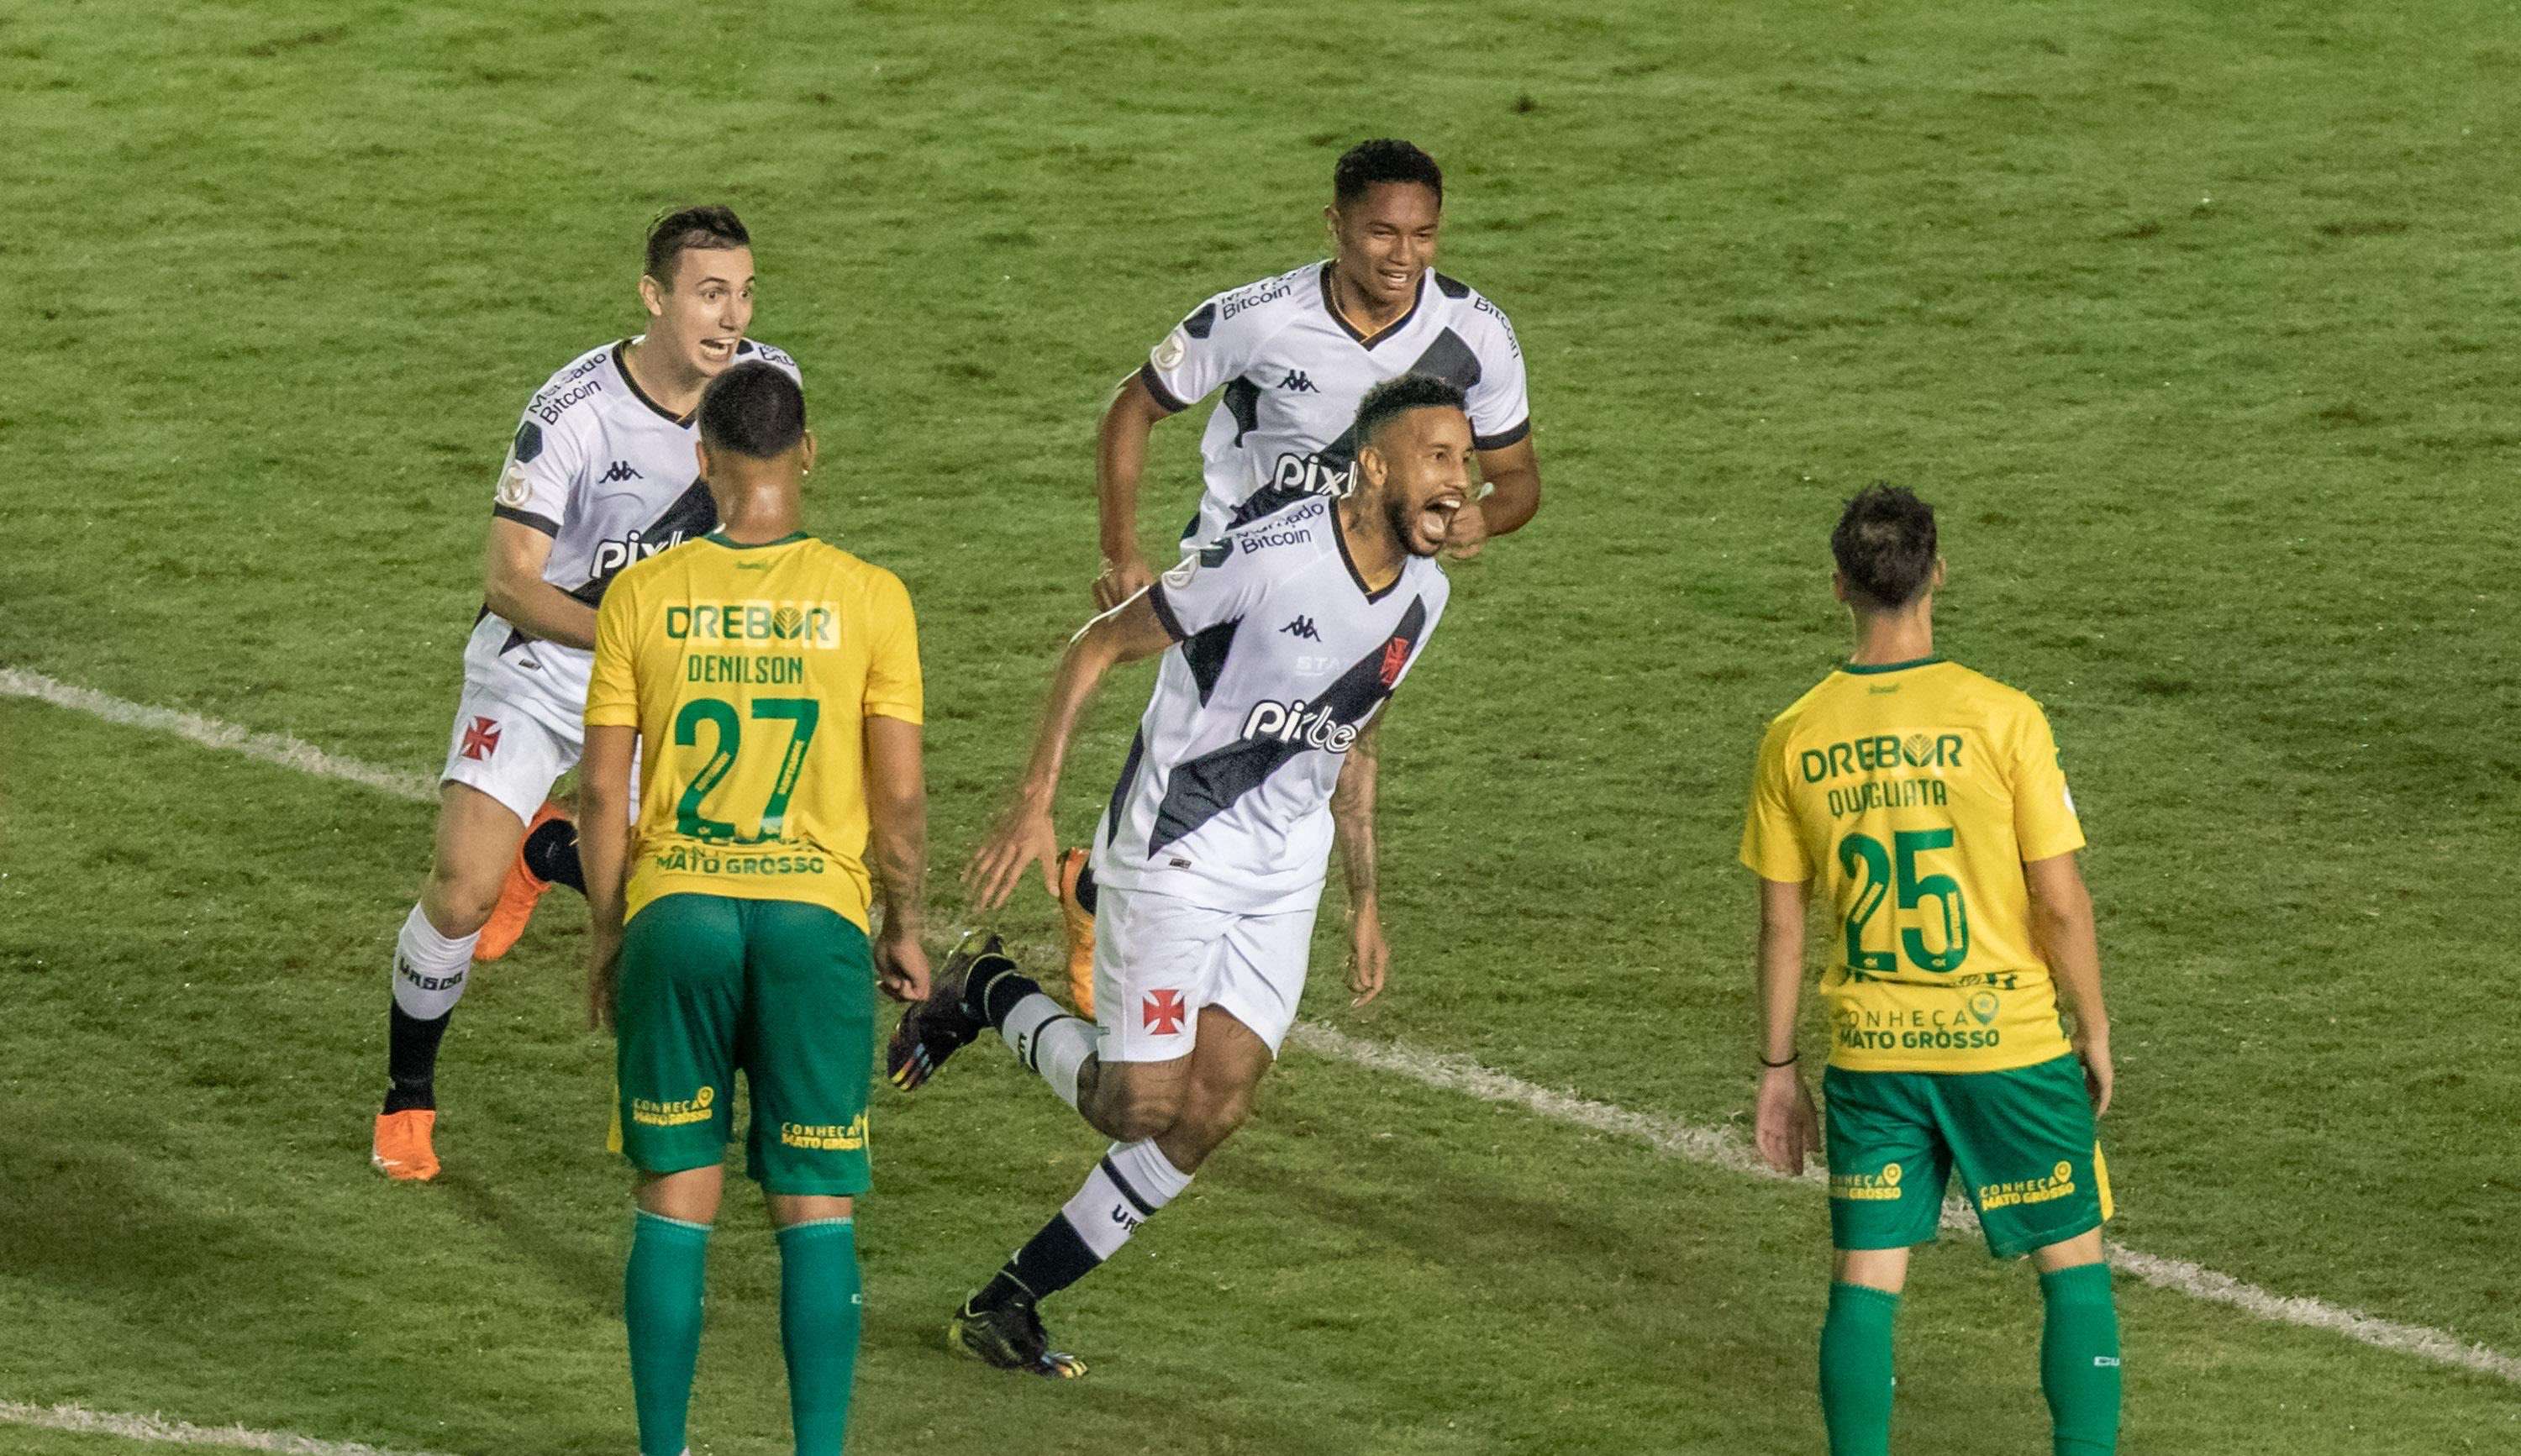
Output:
x=1125 y=1189
x=1049 y=1040
x=430 y=970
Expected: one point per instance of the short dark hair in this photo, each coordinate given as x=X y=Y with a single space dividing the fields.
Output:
x=1384 y=160
x=753 y=409
x=1398 y=396
x=1885 y=544
x=677 y=232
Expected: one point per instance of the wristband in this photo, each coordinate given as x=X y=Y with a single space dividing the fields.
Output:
x=1791 y=1060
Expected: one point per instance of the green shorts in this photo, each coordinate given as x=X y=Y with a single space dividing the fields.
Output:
x=2022 y=1139
x=784 y=991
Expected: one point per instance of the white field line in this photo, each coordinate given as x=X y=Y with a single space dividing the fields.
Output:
x=180 y=1433
x=1671 y=1137
x=211 y=733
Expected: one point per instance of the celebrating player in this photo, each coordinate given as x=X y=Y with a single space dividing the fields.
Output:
x=1930 y=803
x=773 y=684
x=600 y=476
x=1287 y=634
x=1295 y=355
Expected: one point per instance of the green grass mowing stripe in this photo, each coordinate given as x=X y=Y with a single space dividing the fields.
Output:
x=1670 y=1136
x=158 y=1429
x=1675 y=1137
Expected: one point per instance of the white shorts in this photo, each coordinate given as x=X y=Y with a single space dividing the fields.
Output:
x=1158 y=959
x=506 y=752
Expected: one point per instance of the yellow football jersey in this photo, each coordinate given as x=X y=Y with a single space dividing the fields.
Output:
x=750 y=672
x=1915 y=791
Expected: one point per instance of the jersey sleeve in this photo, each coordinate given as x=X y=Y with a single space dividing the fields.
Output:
x=1204 y=350
x=544 y=465
x=1215 y=584
x=894 y=686
x=1499 y=408
x=613 y=688
x=2045 y=823
x=1772 y=848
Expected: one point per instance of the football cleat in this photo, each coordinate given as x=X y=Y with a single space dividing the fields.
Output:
x=401 y=1149
x=940 y=1025
x=1078 y=923
x=517 y=896
x=1010 y=1337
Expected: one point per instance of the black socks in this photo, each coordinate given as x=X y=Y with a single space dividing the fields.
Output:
x=411 y=1059
x=551 y=853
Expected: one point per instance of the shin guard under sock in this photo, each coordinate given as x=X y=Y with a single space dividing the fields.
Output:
x=661 y=1302
x=2079 y=1359
x=818 y=1327
x=1855 y=1380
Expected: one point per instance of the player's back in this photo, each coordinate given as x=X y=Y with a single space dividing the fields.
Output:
x=1913 y=794
x=756 y=667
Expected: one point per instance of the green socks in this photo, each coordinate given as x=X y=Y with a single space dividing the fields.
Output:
x=1856 y=1369
x=660 y=1301
x=818 y=1325
x=2079 y=1360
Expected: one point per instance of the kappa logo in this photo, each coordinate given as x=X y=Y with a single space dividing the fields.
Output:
x=1301 y=629
x=1163 y=1012
x=1396 y=655
x=480 y=739
x=1297 y=383
x=621 y=470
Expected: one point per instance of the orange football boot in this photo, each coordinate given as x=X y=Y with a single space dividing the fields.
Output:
x=401 y=1150
x=517 y=896
x=1079 y=922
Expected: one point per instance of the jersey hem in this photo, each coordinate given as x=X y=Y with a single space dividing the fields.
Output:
x=641 y=897
x=1163 y=611
x=543 y=523
x=1512 y=437
x=1156 y=386
x=1909 y=1065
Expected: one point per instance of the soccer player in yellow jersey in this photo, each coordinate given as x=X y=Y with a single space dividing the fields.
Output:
x=773 y=682
x=1927 y=806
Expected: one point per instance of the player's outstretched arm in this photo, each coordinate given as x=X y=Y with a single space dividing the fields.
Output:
x=897 y=831
x=513 y=586
x=604 y=856
x=2061 y=921
x=1785 y=1126
x=1127 y=633
x=1353 y=822
x=1513 y=474
x=1119 y=459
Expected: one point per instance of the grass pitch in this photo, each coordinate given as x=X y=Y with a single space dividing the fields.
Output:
x=2194 y=324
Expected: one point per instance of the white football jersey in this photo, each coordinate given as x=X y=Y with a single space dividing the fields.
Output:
x=1281 y=657
x=1294 y=373
x=611 y=477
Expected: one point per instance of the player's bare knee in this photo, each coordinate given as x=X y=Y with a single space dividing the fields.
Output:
x=457 y=903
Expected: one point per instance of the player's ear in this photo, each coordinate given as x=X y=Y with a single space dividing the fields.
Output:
x=807 y=466
x=1371 y=467
x=1936 y=581
x=651 y=295
x=1838 y=586
x=699 y=452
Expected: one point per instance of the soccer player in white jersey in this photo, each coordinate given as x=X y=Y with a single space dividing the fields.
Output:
x=1281 y=640
x=602 y=473
x=1293 y=356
